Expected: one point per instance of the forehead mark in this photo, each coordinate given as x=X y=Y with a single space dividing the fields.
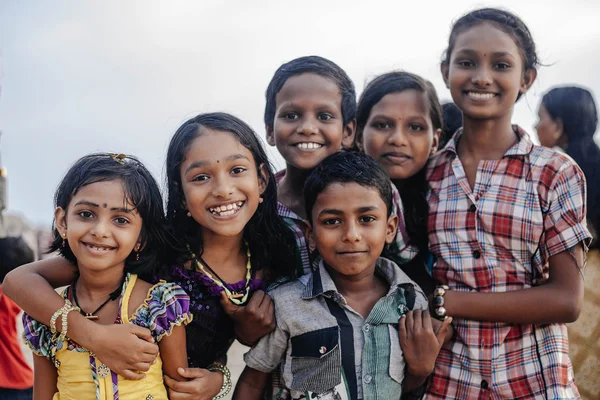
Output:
x=104 y=205
x=218 y=161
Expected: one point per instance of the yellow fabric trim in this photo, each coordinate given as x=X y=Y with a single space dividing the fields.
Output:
x=126 y=296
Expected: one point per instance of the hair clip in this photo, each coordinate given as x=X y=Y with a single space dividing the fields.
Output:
x=120 y=158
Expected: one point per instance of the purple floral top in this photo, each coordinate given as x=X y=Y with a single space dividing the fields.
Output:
x=210 y=334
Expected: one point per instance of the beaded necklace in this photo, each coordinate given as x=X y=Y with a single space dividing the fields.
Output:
x=237 y=298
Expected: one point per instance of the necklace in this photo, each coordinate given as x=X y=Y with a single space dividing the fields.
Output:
x=113 y=296
x=238 y=298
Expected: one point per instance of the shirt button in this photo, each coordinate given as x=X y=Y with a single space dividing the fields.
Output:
x=476 y=254
x=473 y=208
x=367 y=378
x=366 y=328
x=485 y=385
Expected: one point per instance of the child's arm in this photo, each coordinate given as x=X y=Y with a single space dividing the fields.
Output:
x=420 y=345
x=252 y=321
x=31 y=287
x=559 y=300
x=173 y=352
x=44 y=378
x=251 y=385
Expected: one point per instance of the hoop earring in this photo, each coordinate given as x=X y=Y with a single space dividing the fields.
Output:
x=64 y=238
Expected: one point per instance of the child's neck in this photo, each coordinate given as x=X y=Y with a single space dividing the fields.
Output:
x=226 y=255
x=487 y=139
x=94 y=287
x=361 y=291
x=290 y=190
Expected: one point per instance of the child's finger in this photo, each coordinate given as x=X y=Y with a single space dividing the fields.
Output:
x=418 y=319
x=441 y=333
x=410 y=322
x=402 y=328
x=228 y=306
x=427 y=324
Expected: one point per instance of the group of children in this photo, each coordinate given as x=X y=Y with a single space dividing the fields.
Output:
x=393 y=268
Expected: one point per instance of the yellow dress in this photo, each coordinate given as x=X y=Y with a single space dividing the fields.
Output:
x=81 y=375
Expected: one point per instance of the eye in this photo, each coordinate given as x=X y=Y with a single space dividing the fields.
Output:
x=502 y=65
x=331 y=221
x=416 y=127
x=200 y=178
x=382 y=125
x=121 y=220
x=324 y=116
x=85 y=214
x=366 y=219
x=238 y=170
x=290 y=116
x=466 y=63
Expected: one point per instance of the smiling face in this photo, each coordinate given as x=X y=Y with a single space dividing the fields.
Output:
x=102 y=228
x=350 y=228
x=221 y=183
x=485 y=72
x=308 y=124
x=399 y=133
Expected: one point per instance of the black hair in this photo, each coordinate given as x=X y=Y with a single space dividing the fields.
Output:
x=347 y=167
x=271 y=242
x=503 y=20
x=14 y=252
x=140 y=189
x=313 y=65
x=413 y=190
x=452 y=122
x=576 y=109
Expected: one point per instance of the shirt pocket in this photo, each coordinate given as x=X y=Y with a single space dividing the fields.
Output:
x=397 y=363
x=316 y=361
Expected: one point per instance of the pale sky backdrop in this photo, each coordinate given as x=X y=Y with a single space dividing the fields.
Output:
x=121 y=76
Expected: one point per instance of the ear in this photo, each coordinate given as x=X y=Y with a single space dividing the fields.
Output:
x=528 y=78
x=263 y=178
x=138 y=245
x=270 y=135
x=358 y=140
x=559 y=129
x=445 y=69
x=348 y=135
x=436 y=141
x=310 y=236
x=391 y=229
x=60 y=220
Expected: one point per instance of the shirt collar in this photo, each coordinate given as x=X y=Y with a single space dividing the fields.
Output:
x=522 y=148
x=319 y=283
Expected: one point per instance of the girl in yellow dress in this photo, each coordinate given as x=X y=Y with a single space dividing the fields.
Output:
x=109 y=221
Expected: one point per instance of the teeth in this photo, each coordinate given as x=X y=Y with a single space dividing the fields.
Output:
x=310 y=145
x=480 y=96
x=225 y=210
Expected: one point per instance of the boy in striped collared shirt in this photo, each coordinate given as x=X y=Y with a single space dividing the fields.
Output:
x=357 y=327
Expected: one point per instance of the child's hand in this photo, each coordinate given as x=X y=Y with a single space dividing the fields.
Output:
x=420 y=344
x=202 y=385
x=252 y=321
x=127 y=349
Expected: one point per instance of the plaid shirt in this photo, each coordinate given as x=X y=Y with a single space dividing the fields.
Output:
x=523 y=209
x=400 y=249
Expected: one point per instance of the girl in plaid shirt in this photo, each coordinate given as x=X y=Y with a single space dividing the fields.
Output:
x=504 y=216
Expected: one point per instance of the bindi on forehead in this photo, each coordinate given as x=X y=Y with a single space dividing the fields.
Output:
x=104 y=205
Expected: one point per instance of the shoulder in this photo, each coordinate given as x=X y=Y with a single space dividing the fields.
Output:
x=288 y=288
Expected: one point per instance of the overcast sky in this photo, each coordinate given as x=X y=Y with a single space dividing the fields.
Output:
x=121 y=76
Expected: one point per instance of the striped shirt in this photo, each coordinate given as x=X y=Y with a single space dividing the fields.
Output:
x=499 y=236
x=330 y=350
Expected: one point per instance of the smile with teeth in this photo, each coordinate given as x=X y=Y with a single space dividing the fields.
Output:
x=97 y=247
x=480 y=96
x=226 y=209
x=308 y=145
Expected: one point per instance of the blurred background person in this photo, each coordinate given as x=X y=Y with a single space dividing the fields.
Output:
x=568 y=119
x=452 y=119
x=16 y=376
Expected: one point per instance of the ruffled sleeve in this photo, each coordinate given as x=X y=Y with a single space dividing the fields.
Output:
x=39 y=338
x=166 y=305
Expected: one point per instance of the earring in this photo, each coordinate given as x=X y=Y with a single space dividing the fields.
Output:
x=64 y=238
x=189 y=214
x=260 y=200
x=137 y=253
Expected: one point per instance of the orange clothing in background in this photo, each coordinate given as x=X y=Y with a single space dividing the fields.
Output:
x=15 y=372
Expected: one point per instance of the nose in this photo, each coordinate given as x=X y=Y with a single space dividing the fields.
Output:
x=308 y=126
x=100 y=228
x=352 y=232
x=223 y=186
x=398 y=137
x=482 y=77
